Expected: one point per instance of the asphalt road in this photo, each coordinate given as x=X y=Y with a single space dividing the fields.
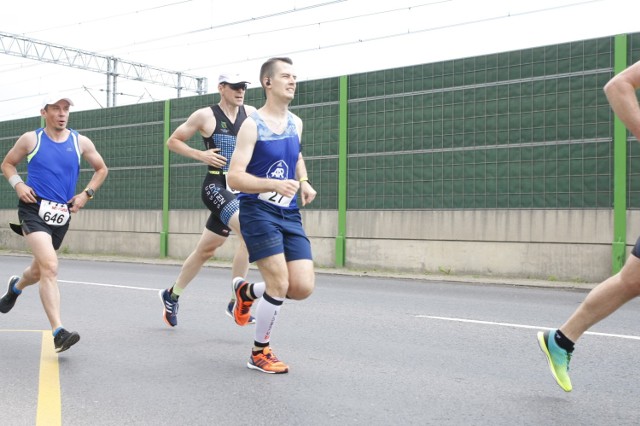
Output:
x=361 y=351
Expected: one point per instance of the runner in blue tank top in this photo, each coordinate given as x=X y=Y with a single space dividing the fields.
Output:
x=268 y=169
x=46 y=201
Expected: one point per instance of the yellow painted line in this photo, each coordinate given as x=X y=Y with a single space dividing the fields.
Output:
x=49 y=403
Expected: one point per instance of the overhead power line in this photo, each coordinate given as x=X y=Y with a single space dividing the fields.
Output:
x=112 y=67
x=103 y=17
x=242 y=21
x=387 y=36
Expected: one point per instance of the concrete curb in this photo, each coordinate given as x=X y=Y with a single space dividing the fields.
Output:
x=486 y=280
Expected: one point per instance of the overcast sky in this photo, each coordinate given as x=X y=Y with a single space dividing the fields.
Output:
x=325 y=38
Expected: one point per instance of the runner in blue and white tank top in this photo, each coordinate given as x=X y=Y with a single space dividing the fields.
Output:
x=268 y=169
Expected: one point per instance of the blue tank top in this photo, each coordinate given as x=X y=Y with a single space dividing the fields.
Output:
x=53 y=167
x=275 y=155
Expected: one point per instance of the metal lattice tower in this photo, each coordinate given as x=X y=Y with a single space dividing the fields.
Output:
x=112 y=67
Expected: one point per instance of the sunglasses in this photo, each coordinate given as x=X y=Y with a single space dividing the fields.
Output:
x=237 y=86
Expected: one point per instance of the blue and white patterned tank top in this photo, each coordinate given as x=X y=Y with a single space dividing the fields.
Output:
x=53 y=167
x=275 y=156
x=224 y=135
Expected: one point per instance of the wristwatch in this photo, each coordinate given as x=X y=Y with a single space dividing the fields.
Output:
x=90 y=192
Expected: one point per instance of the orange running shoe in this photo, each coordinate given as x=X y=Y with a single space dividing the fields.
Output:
x=241 y=308
x=267 y=362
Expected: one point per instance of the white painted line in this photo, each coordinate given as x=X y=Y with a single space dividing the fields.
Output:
x=533 y=327
x=109 y=285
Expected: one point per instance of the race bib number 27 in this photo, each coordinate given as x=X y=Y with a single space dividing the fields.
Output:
x=275 y=198
x=54 y=214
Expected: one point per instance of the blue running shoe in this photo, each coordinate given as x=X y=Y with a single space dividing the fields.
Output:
x=9 y=299
x=557 y=358
x=170 y=311
x=229 y=312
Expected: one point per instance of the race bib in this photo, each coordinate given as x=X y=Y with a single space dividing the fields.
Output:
x=54 y=214
x=275 y=199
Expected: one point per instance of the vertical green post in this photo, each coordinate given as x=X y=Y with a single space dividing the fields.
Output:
x=342 y=173
x=619 y=168
x=164 y=234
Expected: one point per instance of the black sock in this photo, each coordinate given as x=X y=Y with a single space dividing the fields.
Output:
x=563 y=341
x=248 y=295
x=174 y=296
x=259 y=345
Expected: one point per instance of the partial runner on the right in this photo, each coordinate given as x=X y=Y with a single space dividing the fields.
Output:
x=615 y=291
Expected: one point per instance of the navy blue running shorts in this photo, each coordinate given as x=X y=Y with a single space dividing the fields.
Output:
x=269 y=230
x=636 y=249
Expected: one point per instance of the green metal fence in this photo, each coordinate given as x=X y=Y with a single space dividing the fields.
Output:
x=515 y=130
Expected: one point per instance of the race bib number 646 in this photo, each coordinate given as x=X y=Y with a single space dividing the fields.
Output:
x=54 y=214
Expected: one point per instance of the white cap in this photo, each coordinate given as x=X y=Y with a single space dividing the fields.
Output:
x=231 y=79
x=53 y=98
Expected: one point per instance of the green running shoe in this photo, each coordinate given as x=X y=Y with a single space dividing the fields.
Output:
x=557 y=358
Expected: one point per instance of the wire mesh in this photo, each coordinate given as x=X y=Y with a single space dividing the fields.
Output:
x=523 y=129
